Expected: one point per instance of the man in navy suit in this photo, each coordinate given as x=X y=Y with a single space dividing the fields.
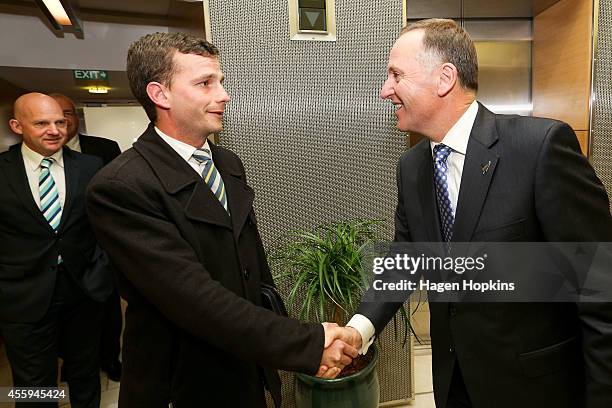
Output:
x=52 y=274
x=482 y=177
x=107 y=150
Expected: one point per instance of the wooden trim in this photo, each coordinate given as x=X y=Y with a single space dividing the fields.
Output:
x=562 y=47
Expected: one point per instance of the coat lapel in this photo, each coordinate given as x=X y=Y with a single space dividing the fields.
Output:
x=239 y=195
x=18 y=180
x=72 y=177
x=478 y=170
x=177 y=176
x=205 y=207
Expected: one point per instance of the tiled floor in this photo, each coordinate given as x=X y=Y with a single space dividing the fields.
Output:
x=110 y=389
x=423 y=384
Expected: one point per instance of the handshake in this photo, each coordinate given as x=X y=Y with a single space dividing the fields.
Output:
x=342 y=345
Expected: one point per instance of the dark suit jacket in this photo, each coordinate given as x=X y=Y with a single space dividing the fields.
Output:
x=539 y=187
x=195 y=333
x=29 y=250
x=105 y=149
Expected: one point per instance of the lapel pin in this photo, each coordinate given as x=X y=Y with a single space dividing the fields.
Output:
x=485 y=167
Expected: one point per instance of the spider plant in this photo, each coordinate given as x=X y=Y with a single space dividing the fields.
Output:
x=325 y=270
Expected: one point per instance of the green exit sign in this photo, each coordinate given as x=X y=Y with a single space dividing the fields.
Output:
x=89 y=75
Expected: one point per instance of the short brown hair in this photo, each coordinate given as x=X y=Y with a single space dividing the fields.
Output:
x=150 y=59
x=451 y=43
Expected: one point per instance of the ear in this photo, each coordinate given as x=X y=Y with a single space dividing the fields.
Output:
x=447 y=79
x=158 y=94
x=16 y=126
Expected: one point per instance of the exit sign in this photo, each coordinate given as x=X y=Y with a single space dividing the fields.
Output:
x=89 y=75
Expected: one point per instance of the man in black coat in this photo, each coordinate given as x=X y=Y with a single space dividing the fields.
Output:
x=52 y=274
x=175 y=215
x=482 y=177
x=112 y=321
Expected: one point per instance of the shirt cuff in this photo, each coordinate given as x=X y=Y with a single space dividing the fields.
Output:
x=365 y=328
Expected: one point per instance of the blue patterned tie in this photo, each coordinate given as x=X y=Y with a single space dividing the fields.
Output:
x=447 y=219
x=50 y=204
x=211 y=176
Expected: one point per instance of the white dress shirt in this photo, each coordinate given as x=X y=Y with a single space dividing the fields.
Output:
x=74 y=144
x=185 y=151
x=457 y=139
x=32 y=161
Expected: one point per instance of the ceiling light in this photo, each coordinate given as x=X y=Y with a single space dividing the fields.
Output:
x=98 y=89
x=60 y=14
x=57 y=11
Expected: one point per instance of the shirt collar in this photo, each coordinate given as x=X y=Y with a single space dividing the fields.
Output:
x=458 y=136
x=183 y=149
x=74 y=143
x=33 y=159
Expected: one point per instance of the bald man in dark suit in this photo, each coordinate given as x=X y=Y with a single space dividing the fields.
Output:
x=53 y=278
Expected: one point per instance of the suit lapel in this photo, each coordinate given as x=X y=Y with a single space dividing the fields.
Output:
x=72 y=177
x=429 y=206
x=18 y=180
x=85 y=145
x=478 y=170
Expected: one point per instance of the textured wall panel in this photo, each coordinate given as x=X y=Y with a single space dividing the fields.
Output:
x=601 y=146
x=317 y=142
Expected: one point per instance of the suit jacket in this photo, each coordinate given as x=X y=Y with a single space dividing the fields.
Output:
x=191 y=274
x=105 y=149
x=539 y=187
x=30 y=247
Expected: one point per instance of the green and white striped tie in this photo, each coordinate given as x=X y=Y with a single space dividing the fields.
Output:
x=50 y=204
x=211 y=176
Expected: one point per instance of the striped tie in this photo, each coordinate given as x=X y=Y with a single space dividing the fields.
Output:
x=211 y=176
x=49 y=198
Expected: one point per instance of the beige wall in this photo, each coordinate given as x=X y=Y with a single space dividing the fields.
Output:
x=104 y=46
x=122 y=124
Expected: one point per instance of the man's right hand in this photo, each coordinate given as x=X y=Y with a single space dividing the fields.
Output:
x=341 y=346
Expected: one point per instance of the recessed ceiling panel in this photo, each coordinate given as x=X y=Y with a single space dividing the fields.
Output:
x=418 y=9
x=497 y=8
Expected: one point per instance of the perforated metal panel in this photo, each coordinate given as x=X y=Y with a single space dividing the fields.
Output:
x=305 y=117
x=601 y=143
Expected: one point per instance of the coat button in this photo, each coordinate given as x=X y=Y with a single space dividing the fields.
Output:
x=451 y=350
x=246 y=273
x=452 y=310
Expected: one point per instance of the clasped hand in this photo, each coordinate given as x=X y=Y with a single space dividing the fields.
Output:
x=342 y=345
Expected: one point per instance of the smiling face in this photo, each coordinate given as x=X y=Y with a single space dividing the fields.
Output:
x=196 y=97
x=40 y=121
x=411 y=83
